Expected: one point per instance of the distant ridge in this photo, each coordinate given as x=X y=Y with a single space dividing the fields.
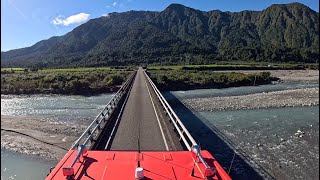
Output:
x=279 y=33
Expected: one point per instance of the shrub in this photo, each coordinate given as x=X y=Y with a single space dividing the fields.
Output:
x=112 y=80
x=182 y=79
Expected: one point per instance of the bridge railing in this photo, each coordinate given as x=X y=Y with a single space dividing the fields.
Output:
x=103 y=117
x=182 y=131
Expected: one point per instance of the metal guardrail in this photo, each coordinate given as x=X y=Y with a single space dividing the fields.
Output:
x=103 y=117
x=183 y=133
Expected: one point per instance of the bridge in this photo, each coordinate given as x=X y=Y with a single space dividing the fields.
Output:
x=137 y=118
x=137 y=134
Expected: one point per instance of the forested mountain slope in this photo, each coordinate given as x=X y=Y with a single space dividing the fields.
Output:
x=279 y=33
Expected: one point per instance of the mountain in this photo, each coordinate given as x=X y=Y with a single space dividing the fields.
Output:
x=279 y=33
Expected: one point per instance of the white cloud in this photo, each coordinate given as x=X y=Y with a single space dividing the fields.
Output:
x=105 y=15
x=77 y=18
x=115 y=3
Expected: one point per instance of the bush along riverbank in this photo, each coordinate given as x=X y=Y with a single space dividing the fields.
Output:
x=236 y=67
x=186 y=80
x=82 y=83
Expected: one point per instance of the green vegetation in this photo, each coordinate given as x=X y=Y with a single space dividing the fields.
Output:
x=246 y=66
x=12 y=69
x=180 y=35
x=76 y=69
x=86 y=69
x=184 y=80
x=63 y=82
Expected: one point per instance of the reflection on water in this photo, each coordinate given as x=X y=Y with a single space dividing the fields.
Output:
x=63 y=108
x=22 y=167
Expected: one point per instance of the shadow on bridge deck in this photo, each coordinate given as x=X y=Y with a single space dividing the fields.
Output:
x=218 y=146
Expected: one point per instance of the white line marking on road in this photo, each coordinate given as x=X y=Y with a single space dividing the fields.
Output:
x=164 y=138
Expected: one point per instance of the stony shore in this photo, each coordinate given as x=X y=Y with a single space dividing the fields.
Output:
x=285 y=98
x=38 y=136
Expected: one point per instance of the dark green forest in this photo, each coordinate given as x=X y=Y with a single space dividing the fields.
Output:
x=186 y=79
x=180 y=35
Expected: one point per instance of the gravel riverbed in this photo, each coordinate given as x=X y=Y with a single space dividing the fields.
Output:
x=285 y=98
x=38 y=136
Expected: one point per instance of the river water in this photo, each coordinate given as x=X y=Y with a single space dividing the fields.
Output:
x=269 y=137
x=69 y=109
x=79 y=109
x=244 y=90
x=266 y=135
x=20 y=166
x=281 y=142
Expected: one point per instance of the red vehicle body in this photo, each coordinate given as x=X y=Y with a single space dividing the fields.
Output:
x=182 y=165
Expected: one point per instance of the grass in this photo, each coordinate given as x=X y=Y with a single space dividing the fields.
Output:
x=242 y=66
x=191 y=66
x=12 y=69
x=84 y=69
x=77 y=69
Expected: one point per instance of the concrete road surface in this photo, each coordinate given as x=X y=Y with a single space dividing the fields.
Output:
x=139 y=121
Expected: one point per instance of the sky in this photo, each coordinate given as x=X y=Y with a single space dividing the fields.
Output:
x=25 y=22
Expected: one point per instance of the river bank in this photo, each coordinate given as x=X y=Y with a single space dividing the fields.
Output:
x=302 y=96
x=285 y=98
x=291 y=75
x=63 y=82
x=38 y=136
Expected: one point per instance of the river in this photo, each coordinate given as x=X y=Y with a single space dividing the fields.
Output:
x=69 y=109
x=19 y=166
x=56 y=107
x=270 y=138
x=282 y=142
x=266 y=135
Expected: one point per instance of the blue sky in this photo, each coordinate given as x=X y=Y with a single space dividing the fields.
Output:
x=25 y=22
